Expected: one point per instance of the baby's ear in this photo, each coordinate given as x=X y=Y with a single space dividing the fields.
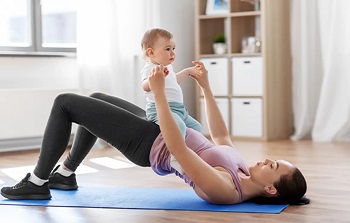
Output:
x=149 y=52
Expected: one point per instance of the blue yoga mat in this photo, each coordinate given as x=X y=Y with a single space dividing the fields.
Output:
x=140 y=198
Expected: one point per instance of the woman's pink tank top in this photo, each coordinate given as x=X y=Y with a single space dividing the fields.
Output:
x=224 y=156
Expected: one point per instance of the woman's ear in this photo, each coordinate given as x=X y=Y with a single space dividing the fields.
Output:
x=271 y=190
x=149 y=52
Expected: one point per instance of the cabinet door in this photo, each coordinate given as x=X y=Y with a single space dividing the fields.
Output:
x=223 y=106
x=217 y=75
x=246 y=117
x=247 y=76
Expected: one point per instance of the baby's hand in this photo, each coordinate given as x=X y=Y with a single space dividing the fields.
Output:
x=200 y=68
x=166 y=71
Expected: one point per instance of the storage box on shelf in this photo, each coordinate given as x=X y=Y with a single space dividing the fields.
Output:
x=246 y=117
x=251 y=85
x=247 y=76
x=218 y=68
x=223 y=104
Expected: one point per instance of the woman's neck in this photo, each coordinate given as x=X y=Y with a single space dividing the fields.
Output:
x=249 y=188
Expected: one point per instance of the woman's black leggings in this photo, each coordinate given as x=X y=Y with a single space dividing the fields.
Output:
x=118 y=122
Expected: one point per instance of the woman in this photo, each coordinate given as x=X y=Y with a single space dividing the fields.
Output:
x=216 y=172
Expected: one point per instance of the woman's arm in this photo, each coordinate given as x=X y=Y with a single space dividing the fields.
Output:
x=210 y=181
x=185 y=73
x=217 y=127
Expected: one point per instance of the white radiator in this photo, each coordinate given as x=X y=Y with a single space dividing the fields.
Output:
x=23 y=116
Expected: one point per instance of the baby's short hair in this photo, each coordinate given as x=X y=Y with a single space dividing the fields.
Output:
x=151 y=36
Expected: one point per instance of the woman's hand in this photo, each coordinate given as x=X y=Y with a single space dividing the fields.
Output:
x=201 y=76
x=193 y=71
x=157 y=79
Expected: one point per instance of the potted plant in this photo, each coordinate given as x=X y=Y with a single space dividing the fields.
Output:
x=219 y=44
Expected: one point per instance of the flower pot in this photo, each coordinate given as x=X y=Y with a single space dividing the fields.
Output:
x=220 y=48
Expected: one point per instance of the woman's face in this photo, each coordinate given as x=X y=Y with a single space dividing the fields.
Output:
x=266 y=173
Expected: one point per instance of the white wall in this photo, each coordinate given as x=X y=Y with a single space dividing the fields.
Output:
x=28 y=86
x=178 y=18
x=38 y=73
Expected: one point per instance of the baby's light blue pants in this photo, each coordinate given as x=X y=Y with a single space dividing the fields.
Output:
x=180 y=114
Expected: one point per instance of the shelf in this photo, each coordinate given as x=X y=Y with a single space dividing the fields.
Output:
x=203 y=17
x=240 y=14
x=246 y=55
x=230 y=55
x=232 y=97
x=234 y=28
x=241 y=27
x=233 y=14
x=213 y=55
x=236 y=6
x=209 y=28
x=242 y=6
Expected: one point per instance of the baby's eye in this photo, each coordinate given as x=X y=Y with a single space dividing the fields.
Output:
x=167 y=49
x=271 y=165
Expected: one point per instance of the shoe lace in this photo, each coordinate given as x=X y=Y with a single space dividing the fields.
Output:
x=23 y=182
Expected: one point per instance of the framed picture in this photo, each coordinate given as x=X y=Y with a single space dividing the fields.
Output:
x=217 y=7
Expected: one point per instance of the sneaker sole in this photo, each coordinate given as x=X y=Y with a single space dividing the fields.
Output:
x=63 y=187
x=28 y=197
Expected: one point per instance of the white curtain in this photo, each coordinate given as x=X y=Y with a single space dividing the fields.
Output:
x=321 y=69
x=108 y=51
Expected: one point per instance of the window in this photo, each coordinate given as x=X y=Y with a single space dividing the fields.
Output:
x=38 y=25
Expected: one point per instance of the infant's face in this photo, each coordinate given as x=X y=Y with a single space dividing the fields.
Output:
x=164 y=51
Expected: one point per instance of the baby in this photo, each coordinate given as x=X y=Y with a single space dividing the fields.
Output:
x=158 y=46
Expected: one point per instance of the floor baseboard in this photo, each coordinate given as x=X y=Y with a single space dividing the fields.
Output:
x=18 y=144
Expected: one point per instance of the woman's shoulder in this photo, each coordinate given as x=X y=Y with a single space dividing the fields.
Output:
x=225 y=191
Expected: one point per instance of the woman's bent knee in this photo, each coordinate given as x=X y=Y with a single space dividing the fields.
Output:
x=64 y=98
x=97 y=95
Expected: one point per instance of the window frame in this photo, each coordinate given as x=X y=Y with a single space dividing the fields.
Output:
x=35 y=46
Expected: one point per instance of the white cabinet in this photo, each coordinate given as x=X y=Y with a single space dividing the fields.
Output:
x=247 y=81
x=224 y=109
x=247 y=76
x=247 y=117
x=217 y=74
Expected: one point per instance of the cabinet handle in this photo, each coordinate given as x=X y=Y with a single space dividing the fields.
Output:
x=212 y=63
x=246 y=61
x=246 y=103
